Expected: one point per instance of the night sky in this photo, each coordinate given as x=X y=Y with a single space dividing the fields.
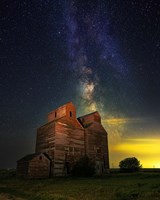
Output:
x=102 y=55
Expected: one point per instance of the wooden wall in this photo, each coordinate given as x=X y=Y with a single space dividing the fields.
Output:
x=36 y=166
x=97 y=143
x=39 y=167
x=45 y=142
x=69 y=146
x=68 y=110
x=22 y=168
x=96 y=139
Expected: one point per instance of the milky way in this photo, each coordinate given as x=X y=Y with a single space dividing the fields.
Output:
x=101 y=55
x=90 y=46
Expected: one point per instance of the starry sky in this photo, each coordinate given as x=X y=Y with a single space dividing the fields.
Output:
x=102 y=55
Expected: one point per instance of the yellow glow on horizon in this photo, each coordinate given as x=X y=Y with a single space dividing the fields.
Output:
x=147 y=150
x=156 y=165
x=143 y=144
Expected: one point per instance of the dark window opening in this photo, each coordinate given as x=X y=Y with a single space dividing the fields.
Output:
x=70 y=114
x=99 y=150
x=55 y=114
x=40 y=157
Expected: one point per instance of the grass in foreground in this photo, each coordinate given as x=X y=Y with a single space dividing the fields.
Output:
x=140 y=186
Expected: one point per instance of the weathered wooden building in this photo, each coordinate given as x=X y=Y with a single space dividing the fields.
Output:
x=34 y=166
x=65 y=138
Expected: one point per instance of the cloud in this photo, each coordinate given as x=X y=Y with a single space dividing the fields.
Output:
x=140 y=147
x=118 y=121
x=146 y=149
x=144 y=140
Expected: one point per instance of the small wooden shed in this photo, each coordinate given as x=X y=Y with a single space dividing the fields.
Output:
x=34 y=166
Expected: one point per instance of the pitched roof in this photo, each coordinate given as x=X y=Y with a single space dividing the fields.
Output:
x=89 y=114
x=31 y=156
x=70 y=102
x=87 y=123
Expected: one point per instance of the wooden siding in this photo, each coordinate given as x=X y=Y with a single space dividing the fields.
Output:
x=96 y=139
x=57 y=114
x=22 y=168
x=88 y=119
x=45 y=142
x=69 y=146
x=97 y=143
x=39 y=167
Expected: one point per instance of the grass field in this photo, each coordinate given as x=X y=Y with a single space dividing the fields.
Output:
x=139 y=186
